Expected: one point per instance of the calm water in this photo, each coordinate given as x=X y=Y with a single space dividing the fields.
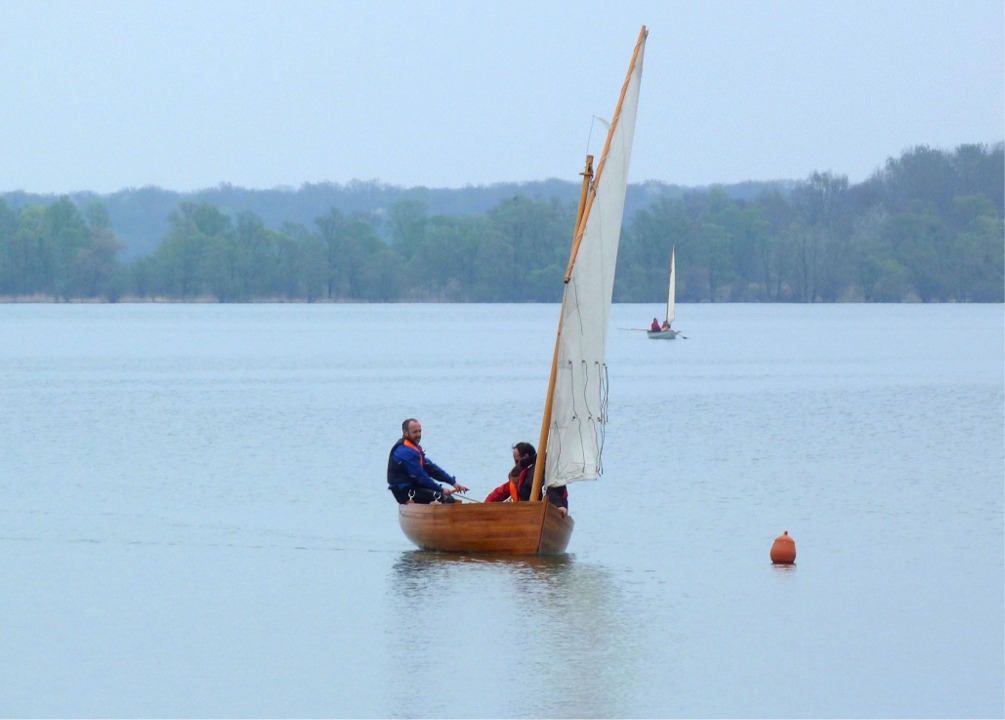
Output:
x=194 y=520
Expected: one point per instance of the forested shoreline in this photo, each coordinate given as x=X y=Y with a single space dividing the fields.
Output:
x=927 y=227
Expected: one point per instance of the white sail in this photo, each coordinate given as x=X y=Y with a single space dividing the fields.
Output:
x=579 y=402
x=672 y=292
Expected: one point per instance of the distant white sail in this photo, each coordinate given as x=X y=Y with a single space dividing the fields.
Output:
x=672 y=292
x=579 y=403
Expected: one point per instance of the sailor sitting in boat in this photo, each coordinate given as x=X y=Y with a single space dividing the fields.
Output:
x=411 y=476
x=521 y=481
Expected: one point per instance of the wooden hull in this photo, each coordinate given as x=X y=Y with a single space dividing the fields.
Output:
x=525 y=528
x=662 y=334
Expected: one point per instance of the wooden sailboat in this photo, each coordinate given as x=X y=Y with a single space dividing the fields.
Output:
x=668 y=333
x=572 y=427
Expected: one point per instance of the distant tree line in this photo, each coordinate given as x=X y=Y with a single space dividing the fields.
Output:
x=927 y=227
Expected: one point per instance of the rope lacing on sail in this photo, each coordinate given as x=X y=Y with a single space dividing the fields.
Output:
x=582 y=416
x=602 y=425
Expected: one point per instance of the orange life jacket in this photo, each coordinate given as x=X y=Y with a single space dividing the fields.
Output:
x=409 y=443
x=514 y=485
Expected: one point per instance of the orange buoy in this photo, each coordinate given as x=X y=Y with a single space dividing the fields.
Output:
x=783 y=552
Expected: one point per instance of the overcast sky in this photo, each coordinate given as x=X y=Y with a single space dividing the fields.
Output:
x=103 y=95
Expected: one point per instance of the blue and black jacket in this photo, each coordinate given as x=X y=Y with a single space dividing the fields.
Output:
x=408 y=468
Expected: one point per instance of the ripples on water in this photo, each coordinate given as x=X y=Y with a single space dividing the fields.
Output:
x=194 y=518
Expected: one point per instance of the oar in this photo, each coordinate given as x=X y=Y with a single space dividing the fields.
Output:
x=636 y=329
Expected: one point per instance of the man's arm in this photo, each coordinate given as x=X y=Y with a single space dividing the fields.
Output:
x=410 y=459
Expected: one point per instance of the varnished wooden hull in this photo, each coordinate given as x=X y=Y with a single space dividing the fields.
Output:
x=525 y=528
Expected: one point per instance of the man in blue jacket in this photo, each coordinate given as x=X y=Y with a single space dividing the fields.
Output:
x=412 y=476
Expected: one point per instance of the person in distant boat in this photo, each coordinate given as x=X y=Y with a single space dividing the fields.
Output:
x=665 y=326
x=411 y=476
x=655 y=327
x=521 y=481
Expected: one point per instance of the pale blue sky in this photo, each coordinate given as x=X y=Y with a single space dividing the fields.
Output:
x=108 y=94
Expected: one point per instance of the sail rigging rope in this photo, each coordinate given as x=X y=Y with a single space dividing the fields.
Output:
x=589 y=134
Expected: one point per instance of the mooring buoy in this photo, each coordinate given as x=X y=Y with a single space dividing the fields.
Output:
x=783 y=551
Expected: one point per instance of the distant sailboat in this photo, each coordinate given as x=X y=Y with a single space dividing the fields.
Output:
x=667 y=333
x=572 y=426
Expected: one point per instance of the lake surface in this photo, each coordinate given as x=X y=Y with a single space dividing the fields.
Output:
x=195 y=523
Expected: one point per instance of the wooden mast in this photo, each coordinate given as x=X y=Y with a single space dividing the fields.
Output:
x=587 y=195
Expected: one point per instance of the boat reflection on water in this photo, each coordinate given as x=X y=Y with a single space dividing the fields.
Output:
x=516 y=625
x=421 y=566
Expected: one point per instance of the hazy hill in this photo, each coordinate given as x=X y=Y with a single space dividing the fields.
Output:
x=139 y=216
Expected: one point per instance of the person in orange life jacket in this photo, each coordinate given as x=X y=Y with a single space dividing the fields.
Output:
x=508 y=490
x=412 y=476
x=655 y=327
x=521 y=481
